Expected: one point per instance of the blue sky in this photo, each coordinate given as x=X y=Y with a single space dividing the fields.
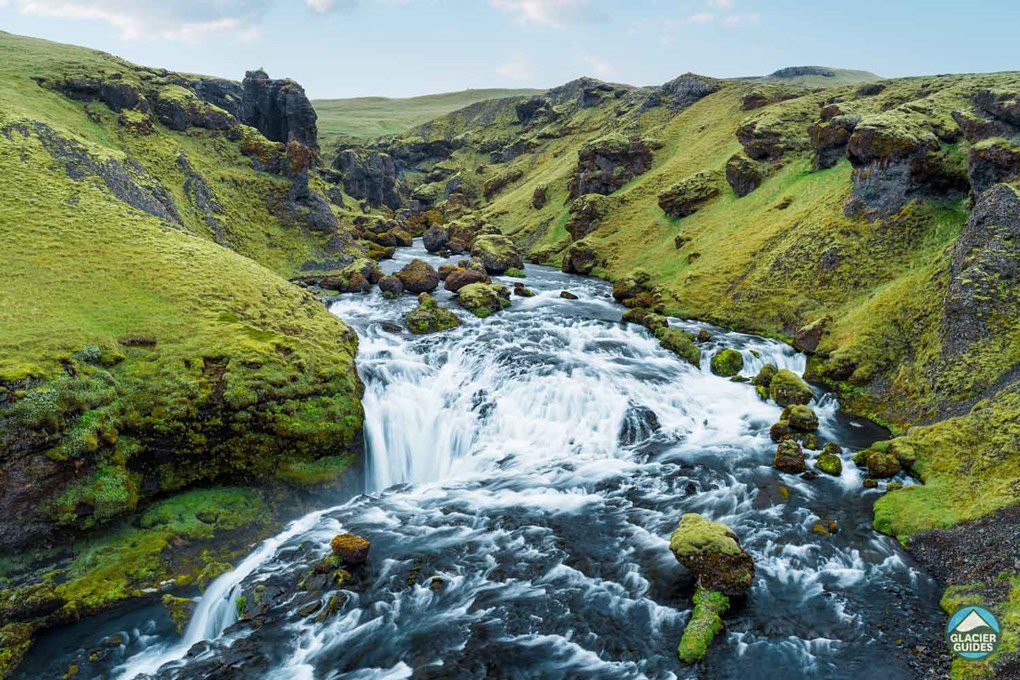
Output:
x=346 y=48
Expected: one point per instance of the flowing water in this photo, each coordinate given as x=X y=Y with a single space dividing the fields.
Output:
x=523 y=475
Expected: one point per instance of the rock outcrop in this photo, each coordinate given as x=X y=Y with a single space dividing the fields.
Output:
x=368 y=176
x=279 y=109
x=712 y=552
x=829 y=137
x=688 y=195
x=585 y=213
x=743 y=175
x=607 y=163
x=682 y=91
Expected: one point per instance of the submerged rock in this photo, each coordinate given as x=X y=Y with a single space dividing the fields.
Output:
x=567 y=295
x=520 y=290
x=712 y=552
x=430 y=317
x=483 y=299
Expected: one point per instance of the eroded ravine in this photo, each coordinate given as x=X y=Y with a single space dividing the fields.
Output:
x=524 y=473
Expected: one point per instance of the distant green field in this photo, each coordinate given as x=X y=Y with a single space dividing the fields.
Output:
x=369 y=117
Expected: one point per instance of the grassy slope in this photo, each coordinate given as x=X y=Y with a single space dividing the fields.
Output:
x=841 y=76
x=242 y=374
x=364 y=118
x=757 y=268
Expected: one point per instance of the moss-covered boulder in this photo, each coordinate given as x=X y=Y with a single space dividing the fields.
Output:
x=585 y=214
x=712 y=552
x=430 y=317
x=687 y=196
x=786 y=388
x=645 y=317
x=635 y=290
x=351 y=550
x=581 y=258
x=830 y=464
x=418 y=276
x=391 y=286
x=497 y=253
x=789 y=457
x=483 y=299
x=180 y=610
x=830 y=136
x=727 y=363
x=882 y=464
x=357 y=277
x=464 y=276
x=801 y=417
x=705 y=624
x=779 y=431
x=680 y=343
x=607 y=163
x=765 y=375
x=520 y=290
x=743 y=175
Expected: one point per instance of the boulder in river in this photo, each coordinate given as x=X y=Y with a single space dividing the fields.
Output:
x=727 y=363
x=497 y=253
x=830 y=464
x=418 y=276
x=800 y=417
x=786 y=387
x=350 y=549
x=882 y=464
x=520 y=290
x=712 y=552
x=463 y=276
x=391 y=286
x=567 y=295
x=789 y=457
x=430 y=317
x=436 y=238
x=680 y=343
x=483 y=299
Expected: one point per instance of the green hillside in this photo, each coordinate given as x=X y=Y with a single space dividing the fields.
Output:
x=818 y=76
x=364 y=118
x=150 y=344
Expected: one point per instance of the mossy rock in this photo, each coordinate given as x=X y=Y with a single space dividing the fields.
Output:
x=779 y=431
x=712 y=552
x=350 y=549
x=180 y=610
x=644 y=317
x=801 y=417
x=789 y=457
x=765 y=375
x=788 y=388
x=497 y=253
x=430 y=317
x=882 y=465
x=705 y=624
x=689 y=195
x=483 y=299
x=830 y=464
x=680 y=343
x=728 y=362
x=418 y=276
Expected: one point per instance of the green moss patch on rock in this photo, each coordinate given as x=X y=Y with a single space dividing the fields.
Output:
x=483 y=299
x=713 y=554
x=786 y=388
x=430 y=317
x=727 y=362
x=704 y=625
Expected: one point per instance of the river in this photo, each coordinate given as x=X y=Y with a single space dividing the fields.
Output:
x=523 y=475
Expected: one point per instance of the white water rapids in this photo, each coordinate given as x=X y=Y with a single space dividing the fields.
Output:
x=535 y=463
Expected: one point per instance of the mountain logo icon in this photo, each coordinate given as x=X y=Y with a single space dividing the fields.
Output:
x=973 y=632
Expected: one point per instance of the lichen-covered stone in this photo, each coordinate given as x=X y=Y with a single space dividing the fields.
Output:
x=497 y=253
x=788 y=388
x=801 y=417
x=712 y=552
x=687 y=196
x=789 y=457
x=727 y=362
x=830 y=464
x=350 y=549
x=681 y=343
x=418 y=276
x=882 y=464
x=430 y=317
x=765 y=375
x=743 y=175
x=483 y=299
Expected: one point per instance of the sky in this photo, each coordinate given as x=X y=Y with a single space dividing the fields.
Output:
x=400 y=48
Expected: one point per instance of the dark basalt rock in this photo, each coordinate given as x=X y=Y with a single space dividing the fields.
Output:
x=606 y=164
x=682 y=92
x=991 y=162
x=687 y=196
x=796 y=71
x=894 y=165
x=464 y=276
x=581 y=258
x=743 y=175
x=585 y=213
x=418 y=276
x=538 y=198
x=984 y=271
x=116 y=95
x=279 y=109
x=180 y=113
x=532 y=109
x=368 y=176
x=829 y=139
x=1003 y=106
x=226 y=94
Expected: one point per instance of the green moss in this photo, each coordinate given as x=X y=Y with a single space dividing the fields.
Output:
x=326 y=470
x=430 y=317
x=179 y=609
x=788 y=388
x=830 y=464
x=483 y=299
x=680 y=343
x=705 y=624
x=727 y=362
x=696 y=535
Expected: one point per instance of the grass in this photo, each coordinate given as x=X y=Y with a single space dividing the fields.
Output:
x=363 y=118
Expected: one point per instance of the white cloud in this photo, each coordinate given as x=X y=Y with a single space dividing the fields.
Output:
x=174 y=20
x=737 y=19
x=517 y=68
x=554 y=13
x=699 y=19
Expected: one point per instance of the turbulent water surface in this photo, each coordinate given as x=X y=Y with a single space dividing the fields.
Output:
x=524 y=473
